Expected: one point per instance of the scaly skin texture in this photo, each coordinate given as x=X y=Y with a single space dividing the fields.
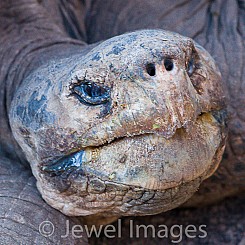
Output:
x=141 y=148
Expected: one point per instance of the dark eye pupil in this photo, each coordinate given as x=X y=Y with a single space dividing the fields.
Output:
x=93 y=90
x=190 y=67
x=88 y=90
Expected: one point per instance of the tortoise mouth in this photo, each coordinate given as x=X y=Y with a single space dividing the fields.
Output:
x=147 y=160
x=144 y=174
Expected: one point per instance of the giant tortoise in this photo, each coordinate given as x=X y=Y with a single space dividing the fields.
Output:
x=116 y=114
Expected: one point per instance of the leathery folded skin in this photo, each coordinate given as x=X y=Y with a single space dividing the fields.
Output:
x=130 y=127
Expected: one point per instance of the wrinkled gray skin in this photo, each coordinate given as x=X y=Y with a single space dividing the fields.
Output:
x=34 y=33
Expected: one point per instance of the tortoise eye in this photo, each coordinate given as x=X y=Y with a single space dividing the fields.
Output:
x=190 y=67
x=91 y=93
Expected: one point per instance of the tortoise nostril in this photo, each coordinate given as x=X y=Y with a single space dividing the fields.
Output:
x=169 y=65
x=151 y=69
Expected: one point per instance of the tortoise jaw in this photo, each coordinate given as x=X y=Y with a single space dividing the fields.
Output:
x=156 y=167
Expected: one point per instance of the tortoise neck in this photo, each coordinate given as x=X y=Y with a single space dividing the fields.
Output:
x=29 y=38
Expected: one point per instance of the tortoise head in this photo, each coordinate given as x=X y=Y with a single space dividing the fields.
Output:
x=130 y=127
